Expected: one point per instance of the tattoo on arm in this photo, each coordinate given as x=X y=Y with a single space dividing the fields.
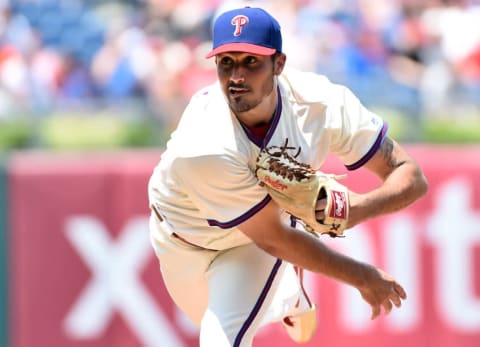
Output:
x=386 y=151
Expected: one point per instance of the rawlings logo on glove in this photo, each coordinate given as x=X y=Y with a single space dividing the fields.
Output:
x=296 y=187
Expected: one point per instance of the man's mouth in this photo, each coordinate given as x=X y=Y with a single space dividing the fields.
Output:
x=235 y=91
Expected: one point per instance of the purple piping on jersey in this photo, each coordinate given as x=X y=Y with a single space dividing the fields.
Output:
x=276 y=118
x=372 y=151
x=293 y=221
x=242 y=218
x=258 y=304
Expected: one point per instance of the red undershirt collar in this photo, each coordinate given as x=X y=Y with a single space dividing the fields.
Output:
x=260 y=130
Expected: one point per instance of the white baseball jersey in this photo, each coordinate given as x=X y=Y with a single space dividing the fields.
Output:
x=205 y=184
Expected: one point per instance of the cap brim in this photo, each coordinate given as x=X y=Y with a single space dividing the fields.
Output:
x=241 y=47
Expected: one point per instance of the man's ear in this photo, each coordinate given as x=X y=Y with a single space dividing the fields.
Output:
x=279 y=63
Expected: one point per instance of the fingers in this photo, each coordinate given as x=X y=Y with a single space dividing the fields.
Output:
x=399 y=290
x=387 y=306
x=394 y=298
x=319 y=215
x=382 y=291
x=320 y=209
x=397 y=294
x=375 y=312
x=377 y=309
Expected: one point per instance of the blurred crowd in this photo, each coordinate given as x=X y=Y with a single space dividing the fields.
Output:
x=420 y=57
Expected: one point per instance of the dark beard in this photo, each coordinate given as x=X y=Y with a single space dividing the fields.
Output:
x=239 y=105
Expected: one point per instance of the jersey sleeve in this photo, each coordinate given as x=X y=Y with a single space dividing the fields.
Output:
x=224 y=190
x=357 y=132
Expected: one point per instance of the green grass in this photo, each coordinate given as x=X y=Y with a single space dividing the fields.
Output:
x=74 y=132
x=101 y=131
x=462 y=130
x=14 y=134
x=436 y=129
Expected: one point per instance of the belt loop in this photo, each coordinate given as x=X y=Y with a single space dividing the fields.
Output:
x=172 y=233
x=154 y=209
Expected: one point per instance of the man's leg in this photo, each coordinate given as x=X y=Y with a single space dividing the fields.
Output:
x=247 y=288
x=183 y=269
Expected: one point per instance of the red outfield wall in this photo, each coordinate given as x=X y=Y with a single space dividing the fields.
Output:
x=82 y=272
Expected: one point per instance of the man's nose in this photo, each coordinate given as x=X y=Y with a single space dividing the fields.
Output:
x=237 y=75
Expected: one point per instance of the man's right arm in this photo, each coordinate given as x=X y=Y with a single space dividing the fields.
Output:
x=300 y=248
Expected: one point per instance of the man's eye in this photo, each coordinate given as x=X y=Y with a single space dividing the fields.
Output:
x=251 y=60
x=226 y=61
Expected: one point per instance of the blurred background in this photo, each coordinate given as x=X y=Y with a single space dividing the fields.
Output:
x=89 y=93
x=128 y=67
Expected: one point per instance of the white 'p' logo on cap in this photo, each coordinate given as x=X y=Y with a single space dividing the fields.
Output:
x=239 y=22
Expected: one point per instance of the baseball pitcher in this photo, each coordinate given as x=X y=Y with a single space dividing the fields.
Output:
x=240 y=204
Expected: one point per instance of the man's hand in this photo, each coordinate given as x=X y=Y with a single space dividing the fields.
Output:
x=381 y=289
x=296 y=187
x=320 y=209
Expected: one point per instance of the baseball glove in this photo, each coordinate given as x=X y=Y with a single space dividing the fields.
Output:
x=296 y=187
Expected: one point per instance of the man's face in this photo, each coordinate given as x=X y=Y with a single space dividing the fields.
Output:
x=246 y=79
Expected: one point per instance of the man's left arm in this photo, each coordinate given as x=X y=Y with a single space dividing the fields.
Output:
x=402 y=184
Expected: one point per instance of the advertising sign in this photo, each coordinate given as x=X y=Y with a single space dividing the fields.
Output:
x=83 y=273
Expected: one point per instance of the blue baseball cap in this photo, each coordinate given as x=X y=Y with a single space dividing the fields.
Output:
x=250 y=30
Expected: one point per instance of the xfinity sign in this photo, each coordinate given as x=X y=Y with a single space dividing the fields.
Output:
x=114 y=286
